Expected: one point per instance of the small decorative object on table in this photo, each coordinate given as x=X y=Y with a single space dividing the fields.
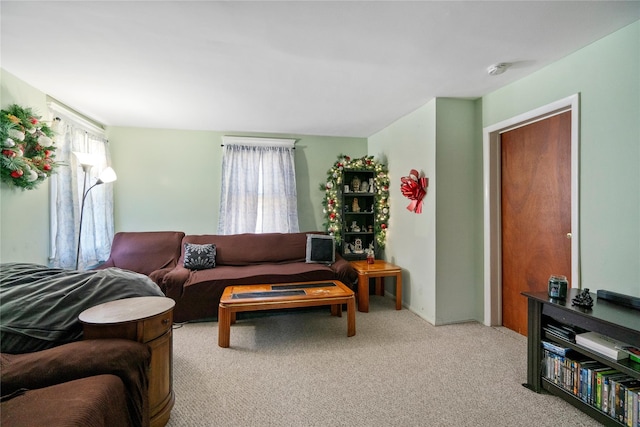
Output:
x=558 y=286
x=583 y=299
x=370 y=256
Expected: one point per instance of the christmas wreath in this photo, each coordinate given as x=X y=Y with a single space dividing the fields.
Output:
x=332 y=207
x=28 y=149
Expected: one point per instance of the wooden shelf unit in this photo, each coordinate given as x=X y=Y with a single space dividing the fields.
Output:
x=365 y=219
x=613 y=320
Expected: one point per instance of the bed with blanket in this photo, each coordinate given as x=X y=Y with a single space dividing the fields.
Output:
x=39 y=306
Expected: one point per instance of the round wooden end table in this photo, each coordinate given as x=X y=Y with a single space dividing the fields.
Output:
x=147 y=320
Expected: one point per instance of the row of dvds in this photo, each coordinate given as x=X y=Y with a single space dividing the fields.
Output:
x=604 y=388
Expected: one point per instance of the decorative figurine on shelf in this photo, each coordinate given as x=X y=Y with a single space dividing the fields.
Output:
x=355 y=184
x=355 y=227
x=371 y=187
x=364 y=186
x=357 y=249
x=583 y=299
x=355 y=207
x=370 y=228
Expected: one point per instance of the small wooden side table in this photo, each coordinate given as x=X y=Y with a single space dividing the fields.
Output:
x=147 y=320
x=378 y=270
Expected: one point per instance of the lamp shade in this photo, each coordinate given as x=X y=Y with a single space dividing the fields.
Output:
x=86 y=159
x=108 y=175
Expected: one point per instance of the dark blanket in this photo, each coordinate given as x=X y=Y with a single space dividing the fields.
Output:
x=86 y=383
x=39 y=306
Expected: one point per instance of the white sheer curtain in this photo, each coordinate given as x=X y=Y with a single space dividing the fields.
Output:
x=66 y=198
x=258 y=189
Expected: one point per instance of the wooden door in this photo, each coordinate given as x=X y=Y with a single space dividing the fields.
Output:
x=536 y=212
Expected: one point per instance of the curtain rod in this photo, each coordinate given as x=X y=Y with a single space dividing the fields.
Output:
x=256 y=145
x=258 y=141
x=89 y=124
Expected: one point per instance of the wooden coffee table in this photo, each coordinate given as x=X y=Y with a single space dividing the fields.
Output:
x=236 y=299
x=378 y=270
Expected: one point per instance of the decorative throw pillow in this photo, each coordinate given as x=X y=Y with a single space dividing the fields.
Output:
x=199 y=257
x=321 y=249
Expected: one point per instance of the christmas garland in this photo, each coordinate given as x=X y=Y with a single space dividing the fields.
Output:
x=332 y=202
x=28 y=149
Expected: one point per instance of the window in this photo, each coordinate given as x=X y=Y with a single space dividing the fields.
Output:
x=258 y=193
x=75 y=134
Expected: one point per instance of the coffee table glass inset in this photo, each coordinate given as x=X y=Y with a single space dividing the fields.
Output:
x=236 y=299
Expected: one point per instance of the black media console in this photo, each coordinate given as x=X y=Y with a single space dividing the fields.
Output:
x=617 y=321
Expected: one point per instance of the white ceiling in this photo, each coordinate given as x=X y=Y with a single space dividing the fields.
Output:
x=318 y=68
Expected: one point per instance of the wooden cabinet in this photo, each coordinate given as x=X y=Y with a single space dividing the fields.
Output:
x=147 y=320
x=616 y=321
x=358 y=213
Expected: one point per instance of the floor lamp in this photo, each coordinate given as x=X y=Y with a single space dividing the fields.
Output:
x=107 y=175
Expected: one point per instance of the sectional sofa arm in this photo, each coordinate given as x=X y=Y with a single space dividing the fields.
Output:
x=344 y=271
x=174 y=280
x=157 y=276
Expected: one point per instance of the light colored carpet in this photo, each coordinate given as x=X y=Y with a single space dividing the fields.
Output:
x=300 y=369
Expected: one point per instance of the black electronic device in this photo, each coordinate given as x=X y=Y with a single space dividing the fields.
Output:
x=627 y=300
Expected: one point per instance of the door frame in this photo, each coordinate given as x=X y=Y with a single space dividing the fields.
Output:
x=492 y=199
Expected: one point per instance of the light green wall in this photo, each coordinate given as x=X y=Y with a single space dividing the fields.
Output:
x=439 y=249
x=24 y=215
x=606 y=74
x=458 y=211
x=170 y=179
x=410 y=143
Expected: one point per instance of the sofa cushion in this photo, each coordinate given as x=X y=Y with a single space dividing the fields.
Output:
x=199 y=257
x=97 y=401
x=249 y=248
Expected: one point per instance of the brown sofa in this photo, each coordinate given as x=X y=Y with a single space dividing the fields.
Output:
x=99 y=383
x=240 y=259
x=245 y=259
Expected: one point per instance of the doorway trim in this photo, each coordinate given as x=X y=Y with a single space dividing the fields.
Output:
x=492 y=199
